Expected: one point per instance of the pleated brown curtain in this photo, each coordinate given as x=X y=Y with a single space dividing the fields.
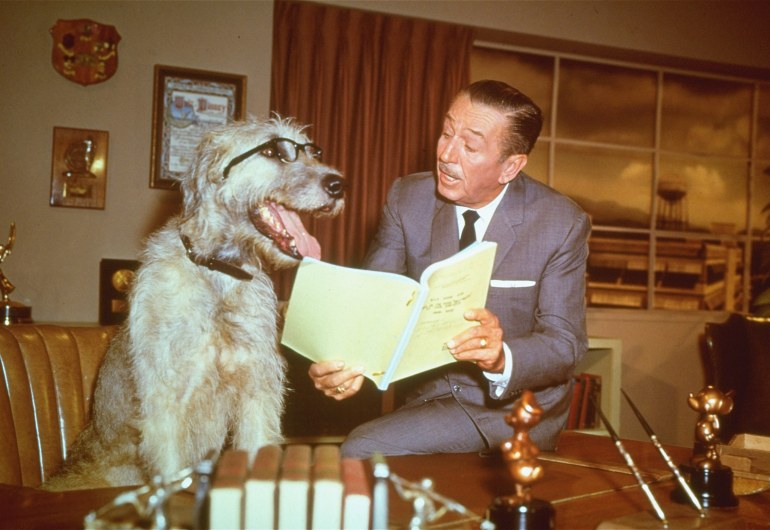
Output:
x=374 y=89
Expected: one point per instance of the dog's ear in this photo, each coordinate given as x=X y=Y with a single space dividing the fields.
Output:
x=204 y=173
x=209 y=160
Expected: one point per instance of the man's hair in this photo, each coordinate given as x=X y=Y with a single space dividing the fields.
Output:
x=525 y=119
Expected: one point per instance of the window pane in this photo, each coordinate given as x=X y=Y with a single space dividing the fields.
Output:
x=537 y=162
x=760 y=270
x=701 y=194
x=705 y=116
x=695 y=274
x=532 y=74
x=763 y=125
x=760 y=221
x=604 y=103
x=607 y=157
x=617 y=270
x=613 y=185
x=760 y=250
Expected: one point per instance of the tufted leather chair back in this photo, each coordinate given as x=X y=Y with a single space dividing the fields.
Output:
x=48 y=375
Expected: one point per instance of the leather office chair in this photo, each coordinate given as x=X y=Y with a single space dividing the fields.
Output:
x=737 y=358
x=46 y=387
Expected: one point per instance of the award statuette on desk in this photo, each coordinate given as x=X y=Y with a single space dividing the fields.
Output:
x=710 y=480
x=13 y=312
x=521 y=511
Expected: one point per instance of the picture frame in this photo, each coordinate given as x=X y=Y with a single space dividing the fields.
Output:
x=115 y=278
x=79 y=168
x=186 y=103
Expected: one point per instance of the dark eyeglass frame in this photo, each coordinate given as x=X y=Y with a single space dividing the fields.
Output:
x=272 y=149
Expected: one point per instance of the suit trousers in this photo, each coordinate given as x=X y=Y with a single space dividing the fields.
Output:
x=421 y=426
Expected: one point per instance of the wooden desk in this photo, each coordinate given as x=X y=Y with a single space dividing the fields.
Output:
x=582 y=496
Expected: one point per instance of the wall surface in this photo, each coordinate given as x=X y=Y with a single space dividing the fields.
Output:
x=55 y=263
x=661 y=366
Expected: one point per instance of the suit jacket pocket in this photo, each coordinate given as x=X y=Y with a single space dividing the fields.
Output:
x=515 y=308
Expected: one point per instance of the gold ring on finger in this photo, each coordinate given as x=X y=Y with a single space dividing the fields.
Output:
x=483 y=343
x=341 y=389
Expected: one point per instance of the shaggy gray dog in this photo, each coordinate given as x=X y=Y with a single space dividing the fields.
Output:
x=196 y=365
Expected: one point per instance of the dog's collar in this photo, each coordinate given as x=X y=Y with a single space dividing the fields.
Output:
x=214 y=264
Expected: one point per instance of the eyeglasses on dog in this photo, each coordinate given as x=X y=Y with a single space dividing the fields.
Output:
x=283 y=149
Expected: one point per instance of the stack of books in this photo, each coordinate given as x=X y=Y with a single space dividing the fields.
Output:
x=290 y=487
x=586 y=392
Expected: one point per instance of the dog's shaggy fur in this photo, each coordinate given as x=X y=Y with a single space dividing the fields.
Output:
x=196 y=365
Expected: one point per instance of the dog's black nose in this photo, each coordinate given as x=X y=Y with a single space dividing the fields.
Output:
x=334 y=185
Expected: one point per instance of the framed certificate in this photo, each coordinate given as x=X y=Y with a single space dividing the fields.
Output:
x=186 y=103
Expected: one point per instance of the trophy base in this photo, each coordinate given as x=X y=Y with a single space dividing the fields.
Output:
x=677 y=517
x=712 y=487
x=512 y=514
x=15 y=313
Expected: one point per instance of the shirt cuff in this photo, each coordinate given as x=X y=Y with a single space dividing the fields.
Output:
x=500 y=381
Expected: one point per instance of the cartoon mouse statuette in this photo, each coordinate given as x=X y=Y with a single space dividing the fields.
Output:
x=710 y=403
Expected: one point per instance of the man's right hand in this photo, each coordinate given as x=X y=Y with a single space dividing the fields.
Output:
x=335 y=380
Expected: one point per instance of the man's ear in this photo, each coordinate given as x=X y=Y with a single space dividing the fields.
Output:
x=511 y=167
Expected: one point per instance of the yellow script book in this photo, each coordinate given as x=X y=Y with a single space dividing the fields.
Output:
x=390 y=324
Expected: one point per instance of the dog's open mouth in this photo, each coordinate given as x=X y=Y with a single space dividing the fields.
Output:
x=286 y=230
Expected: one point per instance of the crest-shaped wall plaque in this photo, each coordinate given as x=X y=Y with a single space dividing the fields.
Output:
x=85 y=51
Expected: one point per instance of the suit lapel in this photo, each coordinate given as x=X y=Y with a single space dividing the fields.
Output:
x=509 y=213
x=445 y=240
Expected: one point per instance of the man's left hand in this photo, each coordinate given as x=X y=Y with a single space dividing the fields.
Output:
x=482 y=344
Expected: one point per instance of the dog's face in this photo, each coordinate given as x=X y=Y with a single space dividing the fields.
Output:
x=249 y=182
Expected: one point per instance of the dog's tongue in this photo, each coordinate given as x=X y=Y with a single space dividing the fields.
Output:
x=307 y=245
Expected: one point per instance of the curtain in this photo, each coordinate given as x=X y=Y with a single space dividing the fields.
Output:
x=374 y=89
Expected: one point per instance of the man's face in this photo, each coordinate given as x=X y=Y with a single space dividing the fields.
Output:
x=470 y=172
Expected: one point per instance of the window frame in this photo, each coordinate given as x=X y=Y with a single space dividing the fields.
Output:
x=757 y=81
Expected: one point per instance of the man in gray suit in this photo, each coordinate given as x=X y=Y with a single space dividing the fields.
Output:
x=527 y=337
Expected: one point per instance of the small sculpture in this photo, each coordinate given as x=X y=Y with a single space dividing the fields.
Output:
x=12 y=312
x=711 y=403
x=711 y=481
x=521 y=510
x=6 y=287
x=520 y=452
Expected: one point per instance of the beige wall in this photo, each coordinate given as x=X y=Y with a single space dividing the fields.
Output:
x=661 y=365
x=55 y=263
x=56 y=260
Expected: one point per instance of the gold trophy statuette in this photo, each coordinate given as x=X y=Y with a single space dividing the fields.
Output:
x=13 y=312
x=710 y=480
x=521 y=511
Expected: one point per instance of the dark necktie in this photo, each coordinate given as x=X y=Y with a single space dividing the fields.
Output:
x=469 y=233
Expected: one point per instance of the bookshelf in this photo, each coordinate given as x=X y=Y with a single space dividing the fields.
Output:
x=604 y=358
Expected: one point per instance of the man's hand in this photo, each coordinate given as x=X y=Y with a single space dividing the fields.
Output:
x=335 y=380
x=481 y=345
